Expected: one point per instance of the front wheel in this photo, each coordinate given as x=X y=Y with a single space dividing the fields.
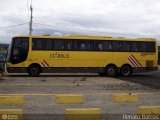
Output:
x=101 y=74
x=34 y=70
x=126 y=71
x=111 y=71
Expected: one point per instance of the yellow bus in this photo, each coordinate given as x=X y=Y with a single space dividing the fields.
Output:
x=81 y=54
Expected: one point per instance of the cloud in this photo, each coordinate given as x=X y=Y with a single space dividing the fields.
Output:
x=130 y=18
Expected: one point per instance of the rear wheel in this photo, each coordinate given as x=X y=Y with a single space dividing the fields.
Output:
x=111 y=71
x=34 y=70
x=126 y=70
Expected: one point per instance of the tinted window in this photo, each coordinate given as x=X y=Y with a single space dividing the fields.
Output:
x=125 y=46
x=142 y=46
x=68 y=44
x=87 y=45
x=107 y=46
x=90 y=45
x=21 y=42
x=138 y=46
x=116 y=45
x=59 y=44
x=19 y=50
x=151 y=47
x=83 y=45
x=133 y=47
x=98 y=46
x=41 y=44
x=121 y=46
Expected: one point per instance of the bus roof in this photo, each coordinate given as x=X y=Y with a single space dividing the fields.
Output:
x=91 y=37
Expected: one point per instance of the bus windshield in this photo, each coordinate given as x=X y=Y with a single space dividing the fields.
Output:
x=18 y=50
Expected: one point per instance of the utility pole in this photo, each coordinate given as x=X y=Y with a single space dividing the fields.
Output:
x=31 y=20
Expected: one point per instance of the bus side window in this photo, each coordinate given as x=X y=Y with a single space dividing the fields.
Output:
x=82 y=46
x=116 y=45
x=151 y=47
x=58 y=45
x=36 y=44
x=46 y=44
x=133 y=47
x=107 y=46
x=68 y=44
x=139 y=46
x=89 y=45
x=79 y=45
x=98 y=46
x=124 y=46
x=142 y=46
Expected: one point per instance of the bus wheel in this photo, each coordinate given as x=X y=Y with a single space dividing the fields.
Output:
x=111 y=71
x=34 y=70
x=126 y=70
x=101 y=74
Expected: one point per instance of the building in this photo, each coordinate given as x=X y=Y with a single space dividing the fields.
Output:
x=3 y=53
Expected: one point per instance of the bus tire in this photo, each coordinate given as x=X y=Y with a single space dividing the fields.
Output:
x=111 y=71
x=34 y=70
x=101 y=74
x=126 y=70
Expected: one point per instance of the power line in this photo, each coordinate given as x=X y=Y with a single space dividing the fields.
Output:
x=66 y=27
x=102 y=32
x=14 y=25
x=60 y=26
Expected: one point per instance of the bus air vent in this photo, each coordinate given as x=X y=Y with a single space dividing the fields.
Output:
x=149 y=63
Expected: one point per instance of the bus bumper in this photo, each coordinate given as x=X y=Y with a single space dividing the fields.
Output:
x=144 y=69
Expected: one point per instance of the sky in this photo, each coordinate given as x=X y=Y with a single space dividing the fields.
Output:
x=117 y=18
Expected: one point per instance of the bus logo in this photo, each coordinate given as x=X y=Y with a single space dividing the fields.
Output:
x=44 y=63
x=134 y=62
x=4 y=116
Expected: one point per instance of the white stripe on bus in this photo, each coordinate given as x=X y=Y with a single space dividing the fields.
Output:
x=137 y=61
x=133 y=65
x=134 y=61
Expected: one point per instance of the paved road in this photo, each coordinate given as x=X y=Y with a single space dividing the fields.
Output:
x=40 y=92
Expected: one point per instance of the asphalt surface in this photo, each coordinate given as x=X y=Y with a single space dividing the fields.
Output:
x=40 y=92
